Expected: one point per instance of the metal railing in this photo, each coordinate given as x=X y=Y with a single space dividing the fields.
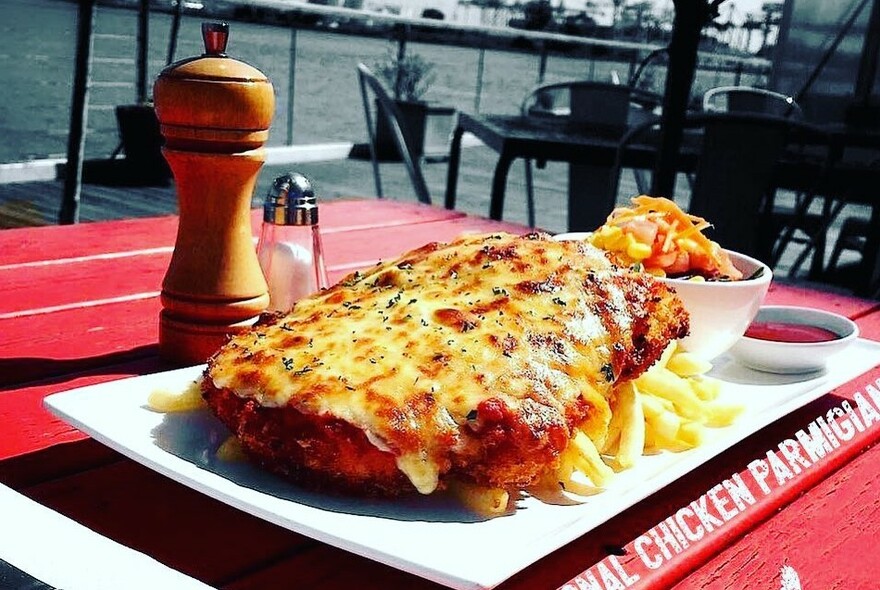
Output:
x=598 y=54
x=541 y=46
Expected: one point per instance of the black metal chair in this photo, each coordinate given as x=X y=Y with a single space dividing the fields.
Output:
x=369 y=84
x=734 y=174
x=797 y=225
x=854 y=175
x=749 y=99
x=598 y=104
x=810 y=161
x=852 y=237
x=645 y=74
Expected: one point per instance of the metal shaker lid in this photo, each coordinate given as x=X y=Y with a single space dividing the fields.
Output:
x=291 y=201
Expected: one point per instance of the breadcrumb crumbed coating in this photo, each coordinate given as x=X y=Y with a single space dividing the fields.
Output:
x=474 y=360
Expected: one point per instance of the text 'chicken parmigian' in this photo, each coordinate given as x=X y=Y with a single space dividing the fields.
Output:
x=474 y=363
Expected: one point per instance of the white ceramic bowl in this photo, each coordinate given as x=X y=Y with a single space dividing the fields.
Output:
x=720 y=311
x=794 y=357
x=573 y=236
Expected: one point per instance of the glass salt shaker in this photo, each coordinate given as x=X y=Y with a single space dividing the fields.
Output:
x=290 y=251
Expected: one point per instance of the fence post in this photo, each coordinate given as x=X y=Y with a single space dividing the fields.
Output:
x=591 y=73
x=291 y=85
x=402 y=31
x=143 y=42
x=175 y=31
x=480 y=65
x=79 y=109
x=633 y=63
x=737 y=76
x=542 y=63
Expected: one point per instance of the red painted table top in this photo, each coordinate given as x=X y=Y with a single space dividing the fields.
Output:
x=79 y=305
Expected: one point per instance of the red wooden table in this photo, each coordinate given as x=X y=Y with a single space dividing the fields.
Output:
x=79 y=305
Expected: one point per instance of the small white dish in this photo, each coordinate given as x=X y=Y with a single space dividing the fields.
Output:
x=774 y=356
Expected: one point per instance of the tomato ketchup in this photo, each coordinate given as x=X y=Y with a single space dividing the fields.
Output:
x=782 y=332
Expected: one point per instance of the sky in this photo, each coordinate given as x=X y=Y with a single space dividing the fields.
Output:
x=742 y=6
x=414 y=7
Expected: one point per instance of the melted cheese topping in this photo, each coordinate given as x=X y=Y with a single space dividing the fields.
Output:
x=408 y=350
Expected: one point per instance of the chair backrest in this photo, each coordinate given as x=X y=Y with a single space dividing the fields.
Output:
x=734 y=175
x=825 y=108
x=747 y=99
x=598 y=103
x=369 y=84
x=644 y=76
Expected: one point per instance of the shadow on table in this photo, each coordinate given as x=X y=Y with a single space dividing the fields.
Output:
x=730 y=371
x=195 y=437
x=18 y=370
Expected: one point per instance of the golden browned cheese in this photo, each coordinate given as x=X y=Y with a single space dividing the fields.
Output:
x=420 y=353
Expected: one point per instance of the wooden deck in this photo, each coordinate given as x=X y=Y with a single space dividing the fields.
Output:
x=36 y=203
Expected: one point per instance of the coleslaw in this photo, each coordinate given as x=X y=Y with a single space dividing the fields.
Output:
x=656 y=236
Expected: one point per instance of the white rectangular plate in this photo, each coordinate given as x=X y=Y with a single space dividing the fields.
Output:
x=431 y=536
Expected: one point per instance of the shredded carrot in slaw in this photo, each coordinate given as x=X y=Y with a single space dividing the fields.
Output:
x=666 y=241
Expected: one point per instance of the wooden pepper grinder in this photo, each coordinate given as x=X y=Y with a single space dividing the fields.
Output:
x=214 y=113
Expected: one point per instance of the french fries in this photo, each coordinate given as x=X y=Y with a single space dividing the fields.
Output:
x=571 y=484
x=164 y=400
x=231 y=450
x=663 y=383
x=482 y=500
x=632 y=437
x=626 y=433
x=583 y=454
x=669 y=407
x=684 y=364
x=679 y=402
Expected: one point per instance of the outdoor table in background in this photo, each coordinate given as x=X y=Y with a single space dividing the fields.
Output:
x=79 y=305
x=855 y=179
x=516 y=137
x=852 y=177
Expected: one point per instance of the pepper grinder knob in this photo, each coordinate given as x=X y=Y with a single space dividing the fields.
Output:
x=215 y=36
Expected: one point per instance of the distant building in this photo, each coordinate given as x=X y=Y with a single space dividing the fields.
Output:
x=497 y=12
x=411 y=8
x=601 y=11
